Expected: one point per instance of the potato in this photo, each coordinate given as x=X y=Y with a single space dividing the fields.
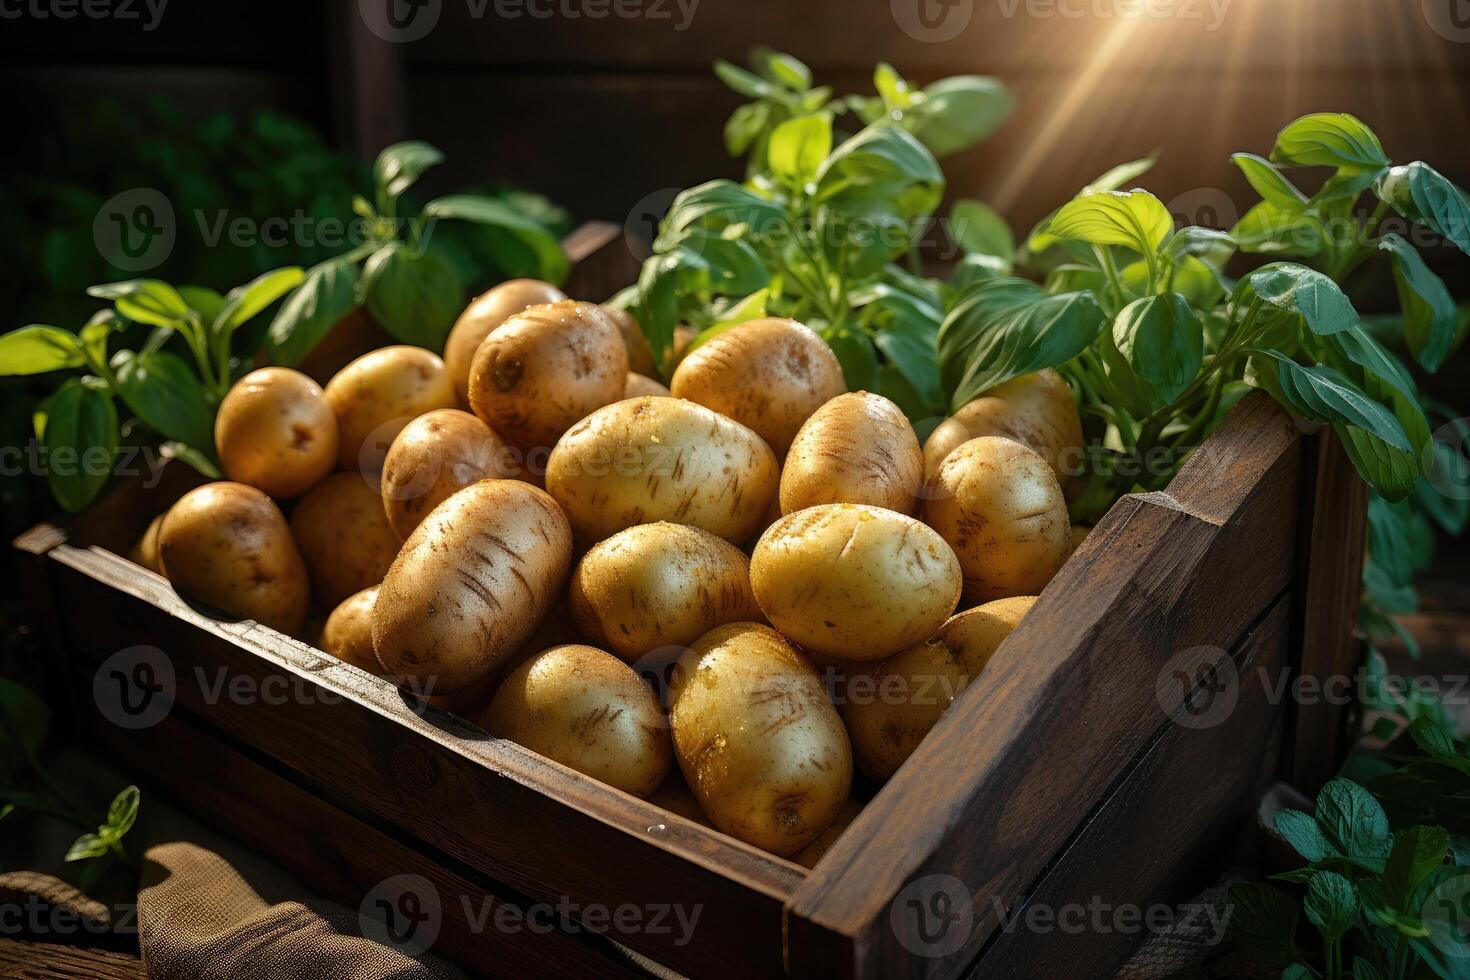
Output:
x=586 y=709
x=376 y=395
x=857 y=449
x=675 y=796
x=348 y=633
x=853 y=581
x=1036 y=410
x=227 y=544
x=999 y=506
x=435 y=456
x=639 y=385
x=769 y=374
x=890 y=710
x=659 y=585
x=756 y=738
x=640 y=355
x=486 y=312
x=545 y=369
x=471 y=584
x=661 y=459
x=275 y=431
x=344 y=536
x=808 y=856
x=145 y=551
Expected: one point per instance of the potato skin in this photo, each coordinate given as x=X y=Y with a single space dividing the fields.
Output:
x=639 y=385
x=275 y=431
x=545 y=369
x=640 y=355
x=658 y=585
x=653 y=459
x=1036 y=410
x=858 y=448
x=854 y=582
x=471 y=584
x=974 y=635
x=434 y=457
x=588 y=710
x=348 y=633
x=227 y=544
x=999 y=506
x=756 y=738
x=769 y=374
x=808 y=856
x=376 y=395
x=145 y=551
x=344 y=536
x=486 y=312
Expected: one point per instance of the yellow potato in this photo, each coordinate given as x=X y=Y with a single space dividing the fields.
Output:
x=857 y=449
x=145 y=551
x=434 y=457
x=661 y=459
x=639 y=385
x=276 y=431
x=808 y=856
x=348 y=634
x=756 y=738
x=228 y=545
x=1001 y=509
x=486 y=312
x=545 y=369
x=657 y=585
x=344 y=535
x=376 y=395
x=769 y=374
x=586 y=709
x=640 y=355
x=471 y=584
x=1036 y=410
x=974 y=635
x=853 y=581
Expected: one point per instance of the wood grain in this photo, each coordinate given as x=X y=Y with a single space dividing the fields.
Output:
x=24 y=960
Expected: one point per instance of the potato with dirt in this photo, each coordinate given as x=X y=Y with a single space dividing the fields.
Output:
x=769 y=374
x=227 y=544
x=348 y=633
x=999 y=506
x=344 y=536
x=588 y=710
x=652 y=459
x=756 y=738
x=639 y=385
x=433 y=458
x=657 y=585
x=858 y=448
x=545 y=369
x=471 y=585
x=486 y=312
x=276 y=431
x=378 y=394
x=854 y=582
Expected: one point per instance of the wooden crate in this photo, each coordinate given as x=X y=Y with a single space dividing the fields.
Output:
x=1106 y=757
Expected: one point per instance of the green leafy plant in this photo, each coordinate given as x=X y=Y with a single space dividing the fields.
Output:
x=817 y=228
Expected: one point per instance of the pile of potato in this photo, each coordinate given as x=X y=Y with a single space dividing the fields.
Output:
x=531 y=529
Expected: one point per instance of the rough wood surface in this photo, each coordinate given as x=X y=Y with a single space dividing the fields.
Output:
x=47 y=961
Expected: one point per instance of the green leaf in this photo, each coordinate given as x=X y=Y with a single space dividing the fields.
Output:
x=1323 y=394
x=858 y=359
x=1331 y=904
x=798 y=148
x=145 y=301
x=1134 y=219
x=1429 y=310
x=399 y=165
x=37 y=349
x=1420 y=193
x=1267 y=229
x=1354 y=822
x=666 y=281
x=752 y=307
x=162 y=390
x=1269 y=183
x=414 y=295
x=191 y=457
x=884 y=161
x=102 y=325
x=783 y=69
x=979 y=230
x=80 y=441
x=1416 y=852
x=86 y=846
x=123 y=812
x=327 y=296
x=1301 y=831
x=1438 y=745
x=1009 y=327
x=745 y=125
x=892 y=87
x=955 y=113
x=205 y=301
x=244 y=302
x=1329 y=139
x=546 y=261
x=1299 y=971
x=1300 y=293
x=746 y=83
x=1162 y=339
x=716 y=205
